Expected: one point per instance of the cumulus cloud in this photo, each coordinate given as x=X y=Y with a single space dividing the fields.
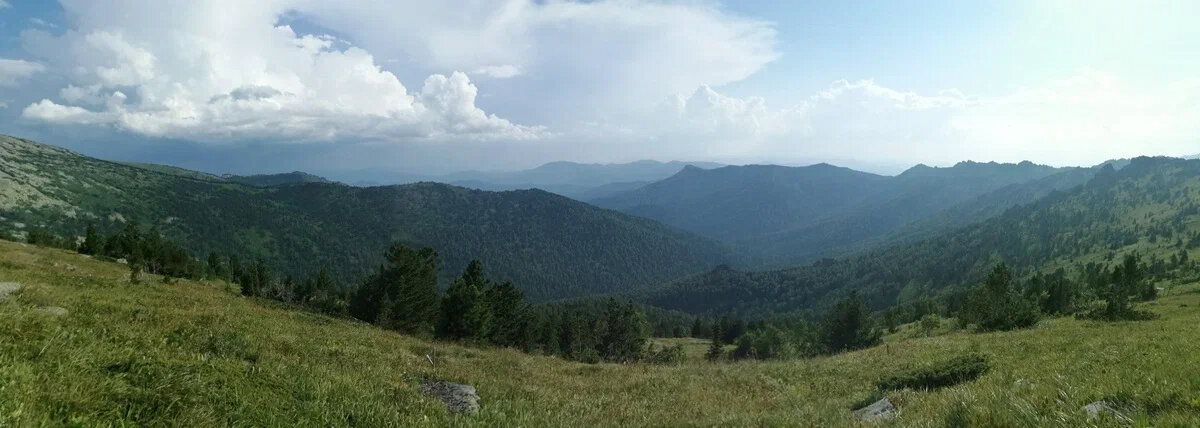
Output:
x=195 y=71
x=12 y=70
x=1085 y=118
x=596 y=58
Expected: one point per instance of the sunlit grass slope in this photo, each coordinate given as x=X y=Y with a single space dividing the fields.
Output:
x=195 y=354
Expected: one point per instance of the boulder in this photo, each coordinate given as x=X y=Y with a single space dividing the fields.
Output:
x=881 y=409
x=459 y=398
x=7 y=288
x=1095 y=409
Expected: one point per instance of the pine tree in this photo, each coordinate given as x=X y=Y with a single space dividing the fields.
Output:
x=847 y=327
x=91 y=241
x=998 y=305
x=401 y=296
x=715 y=349
x=466 y=314
x=510 y=317
x=625 y=332
x=216 y=269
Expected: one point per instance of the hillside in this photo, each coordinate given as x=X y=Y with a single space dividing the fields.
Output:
x=581 y=181
x=1151 y=206
x=270 y=180
x=736 y=203
x=551 y=246
x=780 y=216
x=195 y=354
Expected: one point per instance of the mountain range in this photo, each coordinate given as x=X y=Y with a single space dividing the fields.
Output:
x=1152 y=207
x=551 y=246
x=779 y=216
x=580 y=181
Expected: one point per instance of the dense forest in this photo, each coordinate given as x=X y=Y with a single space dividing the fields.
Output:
x=1151 y=206
x=779 y=216
x=549 y=245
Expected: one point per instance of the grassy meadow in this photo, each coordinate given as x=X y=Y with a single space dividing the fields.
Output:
x=197 y=354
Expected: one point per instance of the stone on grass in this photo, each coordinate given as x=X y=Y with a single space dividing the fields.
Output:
x=881 y=409
x=7 y=288
x=459 y=398
x=1094 y=410
x=56 y=311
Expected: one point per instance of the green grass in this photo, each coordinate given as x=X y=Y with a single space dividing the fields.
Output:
x=194 y=354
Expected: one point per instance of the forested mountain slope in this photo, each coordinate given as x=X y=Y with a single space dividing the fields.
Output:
x=780 y=216
x=1151 y=206
x=736 y=203
x=549 y=245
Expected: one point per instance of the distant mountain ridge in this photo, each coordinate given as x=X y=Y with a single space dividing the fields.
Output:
x=581 y=181
x=782 y=215
x=1152 y=207
x=258 y=180
x=550 y=246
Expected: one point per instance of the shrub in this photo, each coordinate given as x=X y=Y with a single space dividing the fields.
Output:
x=929 y=323
x=667 y=355
x=997 y=306
x=951 y=372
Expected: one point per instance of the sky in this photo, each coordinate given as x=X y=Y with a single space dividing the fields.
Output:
x=434 y=87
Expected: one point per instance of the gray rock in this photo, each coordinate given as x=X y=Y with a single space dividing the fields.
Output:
x=7 y=288
x=459 y=398
x=1095 y=409
x=881 y=409
x=56 y=311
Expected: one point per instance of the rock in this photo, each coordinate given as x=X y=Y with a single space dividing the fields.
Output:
x=56 y=311
x=881 y=409
x=1094 y=410
x=7 y=288
x=459 y=398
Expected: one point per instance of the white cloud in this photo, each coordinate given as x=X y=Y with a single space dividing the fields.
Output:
x=12 y=70
x=4 y=4
x=196 y=71
x=498 y=71
x=595 y=58
x=1079 y=120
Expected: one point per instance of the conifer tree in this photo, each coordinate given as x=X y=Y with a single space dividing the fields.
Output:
x=466 y=314
x=847 y=327
x=91 y=241
x=401 y=296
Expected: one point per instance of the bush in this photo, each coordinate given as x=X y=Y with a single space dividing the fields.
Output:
x=929 y=323
x=947 y=373
x=997 y=306
x=667 y=355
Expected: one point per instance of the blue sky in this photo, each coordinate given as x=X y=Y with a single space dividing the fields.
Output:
x=435 y=87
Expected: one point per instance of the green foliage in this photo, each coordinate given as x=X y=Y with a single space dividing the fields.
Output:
x=929 y=323
x=623 y=333
x=1126 y=282
x=91 y=242
x=804 y=213
x=941 y=374
x=1063 y=229
x=466 y=312
x=847 y=328
x=771 y=341
x=549 y=246
x=997 y=305
x=665 y=355
x=401 y=295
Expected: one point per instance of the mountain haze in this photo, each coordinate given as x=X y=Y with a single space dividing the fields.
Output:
x=783 y=215
x=551 y=246
x=1152 y=206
